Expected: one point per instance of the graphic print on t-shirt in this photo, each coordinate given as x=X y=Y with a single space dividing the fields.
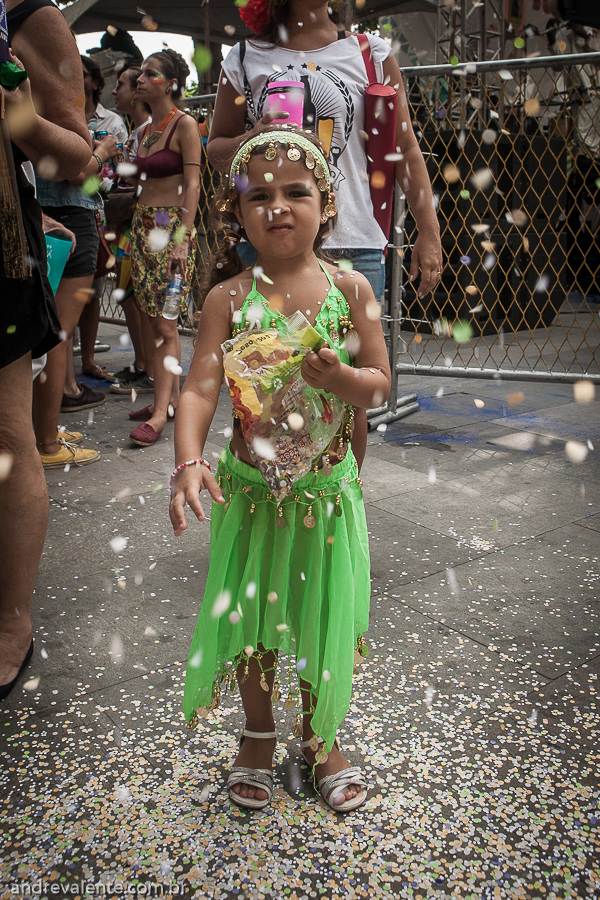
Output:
x=328 y=109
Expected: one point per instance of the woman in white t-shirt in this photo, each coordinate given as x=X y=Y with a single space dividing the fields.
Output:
x=300 y=41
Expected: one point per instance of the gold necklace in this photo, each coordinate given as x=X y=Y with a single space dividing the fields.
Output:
x=150 y=139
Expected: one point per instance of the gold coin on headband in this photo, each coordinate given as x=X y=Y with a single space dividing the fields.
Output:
x=322 y=184
x=293 y=154
x=270 y=153
x=319 y=171
x=330 y=210
x=309 y=160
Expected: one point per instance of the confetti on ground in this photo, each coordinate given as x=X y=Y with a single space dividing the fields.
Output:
x=474 y=717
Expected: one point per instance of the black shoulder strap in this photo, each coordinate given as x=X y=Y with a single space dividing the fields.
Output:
x=247 y=88
x=20 y=13
x=341 y=35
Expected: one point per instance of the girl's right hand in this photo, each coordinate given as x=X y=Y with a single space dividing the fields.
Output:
x=187 y=485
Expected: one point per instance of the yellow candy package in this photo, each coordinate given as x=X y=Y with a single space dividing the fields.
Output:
x=286 y=424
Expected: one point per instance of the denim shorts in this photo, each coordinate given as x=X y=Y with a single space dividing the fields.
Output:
x=371 y=263
x=82 y=222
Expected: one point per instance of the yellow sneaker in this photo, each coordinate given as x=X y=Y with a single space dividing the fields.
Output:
x=68 y=456
x=71 y=437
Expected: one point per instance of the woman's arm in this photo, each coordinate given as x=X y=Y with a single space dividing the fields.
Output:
x=58 y=128
x=413 y=178
x=189 y=147
x=367 y=383
x=228 y=125
x=196 y=409
x=104 y=149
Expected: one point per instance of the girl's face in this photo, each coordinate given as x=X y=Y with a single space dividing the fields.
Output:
x=282 y=208
x=125 y=93
x=152 y=83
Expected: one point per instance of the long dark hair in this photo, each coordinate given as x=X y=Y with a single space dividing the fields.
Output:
x=280 y=16
x=95 y=72
x=225 y=261
x=175 y=68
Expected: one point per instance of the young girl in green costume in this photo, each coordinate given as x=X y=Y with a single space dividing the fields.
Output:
x=291 y=577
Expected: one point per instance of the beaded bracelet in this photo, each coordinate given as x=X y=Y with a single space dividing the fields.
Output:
x=184 y=465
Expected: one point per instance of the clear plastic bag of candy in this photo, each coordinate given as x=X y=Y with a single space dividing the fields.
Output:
x=286 y=424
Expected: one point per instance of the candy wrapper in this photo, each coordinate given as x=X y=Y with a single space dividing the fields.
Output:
x=286 y=424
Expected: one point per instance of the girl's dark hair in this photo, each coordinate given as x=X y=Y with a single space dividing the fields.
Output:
x=280 y=16
x=225 y=261
x=94 y=70
x=174 y=67
x=133 y=73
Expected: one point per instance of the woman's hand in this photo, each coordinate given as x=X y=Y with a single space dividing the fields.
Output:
x=186 y=488
x=107 y=148
x=427 y=258
x=51 y=226
x=20 y=111
x=321 y=369
x=178 y=258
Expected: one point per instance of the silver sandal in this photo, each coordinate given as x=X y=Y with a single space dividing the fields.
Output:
x=330 y=785
x=256 y=778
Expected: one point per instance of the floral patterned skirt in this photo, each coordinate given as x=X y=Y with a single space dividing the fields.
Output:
x=153 y=233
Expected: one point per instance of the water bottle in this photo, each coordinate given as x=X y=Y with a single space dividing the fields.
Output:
x=173 y=298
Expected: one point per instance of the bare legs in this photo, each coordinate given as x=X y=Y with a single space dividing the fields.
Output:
x=24 y=512
x=47 y=393
x=88 y=326
x=256 y=753
x=166 y=384
x=148 y=343
x=134 y=326
x=335 y=762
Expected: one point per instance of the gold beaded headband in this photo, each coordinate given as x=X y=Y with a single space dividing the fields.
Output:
x=313 y=159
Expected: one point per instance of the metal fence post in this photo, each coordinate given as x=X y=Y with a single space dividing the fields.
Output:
x=396 y=407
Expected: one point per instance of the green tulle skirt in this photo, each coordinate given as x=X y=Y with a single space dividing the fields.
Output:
x=293 y=578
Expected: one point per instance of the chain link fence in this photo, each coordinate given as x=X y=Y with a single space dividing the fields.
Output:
x=512 y=149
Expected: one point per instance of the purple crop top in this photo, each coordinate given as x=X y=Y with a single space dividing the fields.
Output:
x=164 y=162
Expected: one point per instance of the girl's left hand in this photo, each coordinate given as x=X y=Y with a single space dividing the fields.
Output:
x=427 y=256
x=320 y=370
x=178 y=258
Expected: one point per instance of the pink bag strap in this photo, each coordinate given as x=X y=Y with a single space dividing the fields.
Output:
x=367 y=55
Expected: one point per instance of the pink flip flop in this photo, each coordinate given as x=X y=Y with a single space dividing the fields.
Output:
x=144 y=435
x=143 y=414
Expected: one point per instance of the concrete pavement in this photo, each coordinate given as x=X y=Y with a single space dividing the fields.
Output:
x=474 y=716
